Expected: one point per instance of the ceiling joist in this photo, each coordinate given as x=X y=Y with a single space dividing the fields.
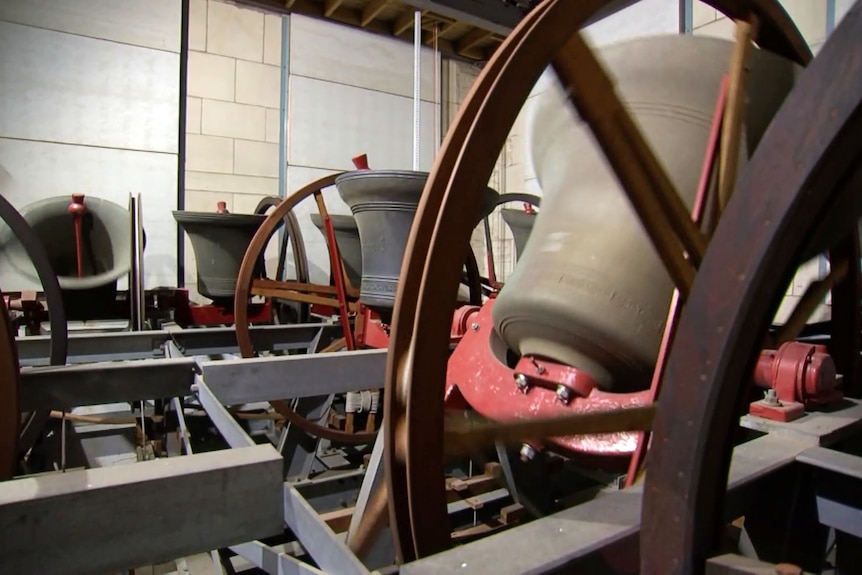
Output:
x=395 y=18
x=371 y=11
x=471 y=39
x=330 y=6
x=405 y=22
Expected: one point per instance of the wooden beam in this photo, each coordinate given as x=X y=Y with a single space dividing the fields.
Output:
x=472 y=39
x=371 y=11
x=429 y=38
x=404 y=22
x=351 y=17
x=330 y=6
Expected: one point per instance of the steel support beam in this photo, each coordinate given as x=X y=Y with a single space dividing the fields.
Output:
x=838 y=477
x=492 y=15
x=272 y=561
x=571 y=537
x=325 y=547
x=287 y=377
x=233 y=434
x=88 y=348
x=495 y=15
x=105 y=520
x=65 y=387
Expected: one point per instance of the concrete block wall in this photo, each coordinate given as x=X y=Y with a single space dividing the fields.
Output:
x=350 y=93
x=91 y=105
x=232 y=114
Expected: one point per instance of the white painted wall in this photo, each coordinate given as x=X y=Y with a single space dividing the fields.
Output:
x=91 y=105
x=350 y=92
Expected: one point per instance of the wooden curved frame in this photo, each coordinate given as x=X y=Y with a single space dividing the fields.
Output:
x=786 y=196
x=247 y=285
x=10 y=416
x=416 y=365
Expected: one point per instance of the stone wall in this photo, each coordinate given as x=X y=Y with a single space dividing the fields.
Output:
x=232 y=117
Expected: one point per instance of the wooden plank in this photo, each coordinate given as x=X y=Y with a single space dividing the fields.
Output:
x=330 y=6
x=105 y=520
x=371 y=11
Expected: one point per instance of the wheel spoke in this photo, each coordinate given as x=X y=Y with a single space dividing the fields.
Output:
x=731 y=129
x=255 y=248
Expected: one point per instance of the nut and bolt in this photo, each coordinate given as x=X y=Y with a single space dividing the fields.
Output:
x=522 y=382
x=770 y=397
x=527 y=452
x=564 y=394
x=475 y=327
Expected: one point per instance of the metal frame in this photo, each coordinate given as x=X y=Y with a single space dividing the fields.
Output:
x=88 y=348
x=235 y=492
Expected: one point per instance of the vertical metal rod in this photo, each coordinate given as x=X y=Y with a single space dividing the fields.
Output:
x=830 y=17
x=143 y=431
x=438 y=97
x=417 y=88
x=686 y=16
x=63 y=443
x=283 y=102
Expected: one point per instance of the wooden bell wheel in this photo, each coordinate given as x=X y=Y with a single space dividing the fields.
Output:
x=799 y=194
x=13 y=435
x=293 y=237
x=416 y=370
x=343 y=296
x=248 y=285
x=9 y=416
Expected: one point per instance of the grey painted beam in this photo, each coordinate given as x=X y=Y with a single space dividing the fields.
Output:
x=94 y=384
x=86 y=348
x=326 y=548
x=104 y=520
x=265 y=378
x=570 y=537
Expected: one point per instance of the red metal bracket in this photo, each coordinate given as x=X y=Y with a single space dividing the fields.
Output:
x=478 y=377
x=797 y=376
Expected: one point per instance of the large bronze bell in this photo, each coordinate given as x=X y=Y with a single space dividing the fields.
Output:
x=590 y=290
x=521 y=224
x=347 y=238
x=384 y=204
x=219 y=241
x=106 y=251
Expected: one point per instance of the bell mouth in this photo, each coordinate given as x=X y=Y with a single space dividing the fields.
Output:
x=222 y=220
x=219 y=242
x=107 y=246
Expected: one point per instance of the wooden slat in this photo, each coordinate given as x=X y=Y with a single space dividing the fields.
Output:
x=371 y=11
x=330 y=6
x=471 y=39
x=405 y=22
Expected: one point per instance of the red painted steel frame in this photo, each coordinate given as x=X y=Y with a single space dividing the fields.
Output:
x=478 y=379
x=186 y=314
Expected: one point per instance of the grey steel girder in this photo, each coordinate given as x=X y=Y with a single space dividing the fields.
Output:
x=103 y=520
x=88 y=348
